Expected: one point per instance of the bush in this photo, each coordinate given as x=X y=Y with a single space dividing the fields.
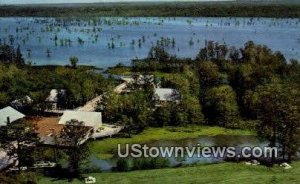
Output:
x=160 y=162
x=122 y=165
x=140 y=164
x=153 y=163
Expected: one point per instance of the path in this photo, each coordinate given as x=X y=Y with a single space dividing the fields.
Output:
x=91 y=105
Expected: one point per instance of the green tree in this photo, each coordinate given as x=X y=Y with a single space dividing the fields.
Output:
x=73 y=136
x=221 y=106
x=19 y=138
x=278 y=109
x=19 y=58
x=193 y=108
x=161 y=116
x=209 y=74
x=73 y=61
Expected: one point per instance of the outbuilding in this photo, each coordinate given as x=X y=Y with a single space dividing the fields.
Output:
x=9 y=115
x=90 y=119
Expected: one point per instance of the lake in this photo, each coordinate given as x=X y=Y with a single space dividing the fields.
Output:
x=211 y=141
x=106 y=41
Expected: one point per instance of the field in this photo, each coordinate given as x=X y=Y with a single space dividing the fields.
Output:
x=105 y=148
x=216 y=173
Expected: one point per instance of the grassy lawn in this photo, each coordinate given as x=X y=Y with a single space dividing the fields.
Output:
x=120 y=71
x=128 y=71
x=106 y=147
x=215 y=173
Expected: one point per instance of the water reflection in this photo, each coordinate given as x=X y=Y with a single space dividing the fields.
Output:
x=219 y=140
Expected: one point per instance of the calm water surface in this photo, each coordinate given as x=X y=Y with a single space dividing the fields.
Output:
x=106 y=41
x=220 y=140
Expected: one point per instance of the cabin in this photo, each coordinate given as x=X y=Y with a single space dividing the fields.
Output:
x=165 y=95
x=90 y=119
x=9 y=115
x=53 y=99
x=49 y=128
x=147 y=79
x=139 y=81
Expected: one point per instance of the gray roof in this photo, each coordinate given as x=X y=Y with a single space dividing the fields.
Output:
x=166 y=94
x=91 y=119
x=11 y=113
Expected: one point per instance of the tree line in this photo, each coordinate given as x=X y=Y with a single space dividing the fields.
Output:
x=179 y=9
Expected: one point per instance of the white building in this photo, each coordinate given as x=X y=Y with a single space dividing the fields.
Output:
x=166 y=95
x=53 y=97
x=90 y=119
x=9 y=115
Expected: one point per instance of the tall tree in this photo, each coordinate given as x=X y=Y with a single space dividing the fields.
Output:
x=73 y=136
x=19 y=138
x=19 y=58
x=73 y=61
x=221 y=106
x=278 y=109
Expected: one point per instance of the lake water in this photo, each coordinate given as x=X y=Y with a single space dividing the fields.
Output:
x=106 y=41
x=220 y=140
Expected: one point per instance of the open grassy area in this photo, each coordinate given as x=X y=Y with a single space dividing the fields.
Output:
x=215 y=173
x=106 y=147
x=121 y=70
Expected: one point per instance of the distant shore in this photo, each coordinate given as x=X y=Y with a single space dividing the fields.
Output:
x=276 y=9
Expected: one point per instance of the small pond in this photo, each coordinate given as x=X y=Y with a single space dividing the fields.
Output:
x=220 y=140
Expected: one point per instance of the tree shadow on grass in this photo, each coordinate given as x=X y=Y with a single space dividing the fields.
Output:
x=58 y=173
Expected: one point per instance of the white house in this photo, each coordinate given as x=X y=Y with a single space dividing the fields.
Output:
x=9 y=115
x=53 y=97
x=166 y=95
x=90 y=119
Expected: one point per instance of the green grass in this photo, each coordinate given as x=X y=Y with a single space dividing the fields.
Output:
x=106 y=147
x=216 y=173
x=121 y=70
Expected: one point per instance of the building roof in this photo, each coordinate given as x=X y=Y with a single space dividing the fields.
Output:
x=49 y=130
x=166 y=94
x=91 y=119
x=11 y=113
x=53 y=96
x=47 y=126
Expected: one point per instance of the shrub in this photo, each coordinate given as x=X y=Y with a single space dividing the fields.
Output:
x=147 y=163
x=159 y=162
x=122 y=165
